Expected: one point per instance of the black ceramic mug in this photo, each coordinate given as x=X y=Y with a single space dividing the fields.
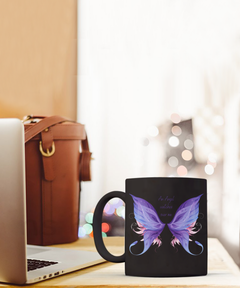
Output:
x=165 y=227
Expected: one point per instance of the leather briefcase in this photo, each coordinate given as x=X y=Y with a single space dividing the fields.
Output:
x=57 y=160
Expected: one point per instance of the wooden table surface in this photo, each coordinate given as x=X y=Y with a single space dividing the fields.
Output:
x=222 y=271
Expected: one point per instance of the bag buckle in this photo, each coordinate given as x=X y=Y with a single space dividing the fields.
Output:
x=48 y=153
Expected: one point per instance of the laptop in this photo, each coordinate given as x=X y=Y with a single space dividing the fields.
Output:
x=21 y=263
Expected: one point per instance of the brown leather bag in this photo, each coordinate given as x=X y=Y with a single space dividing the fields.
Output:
x=54 y=168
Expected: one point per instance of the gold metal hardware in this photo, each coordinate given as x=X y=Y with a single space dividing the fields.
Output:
x=48 y=153
x=46 y=130
x=26 y=118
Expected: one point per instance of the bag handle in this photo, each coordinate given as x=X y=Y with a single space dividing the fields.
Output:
x=85 y=161
x=42 y=125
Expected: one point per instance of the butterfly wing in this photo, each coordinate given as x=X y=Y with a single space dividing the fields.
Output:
x=148 y=223
x=183 y=223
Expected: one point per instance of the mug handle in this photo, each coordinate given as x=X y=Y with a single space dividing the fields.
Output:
x=97 y=227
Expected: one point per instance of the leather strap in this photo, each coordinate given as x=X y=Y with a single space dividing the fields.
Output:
x=48 y=165
x=85 y=161
x=42 y=125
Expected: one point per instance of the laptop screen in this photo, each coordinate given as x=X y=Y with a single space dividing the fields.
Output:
x=12 y=202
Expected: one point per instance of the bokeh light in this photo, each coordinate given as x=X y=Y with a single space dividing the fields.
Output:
x=105 y=227
x=187 y=155
x=175 y=118
x=188 y=144
x=209 y=170
x=173 y=141
x=182 y=170
x=121 y=212
x=153 y=131
x=116 y=202
x=213 y=164
x=114 y=208
x=89 y=217
x=173 y=161
x=81 y=232
x=104 y=234
x=109 y=209
x=176 y=130
x=88 y=228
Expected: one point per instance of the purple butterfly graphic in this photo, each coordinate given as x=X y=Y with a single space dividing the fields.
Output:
x=150 y=226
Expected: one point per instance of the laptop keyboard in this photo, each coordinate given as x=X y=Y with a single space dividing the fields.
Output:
x=34 y=264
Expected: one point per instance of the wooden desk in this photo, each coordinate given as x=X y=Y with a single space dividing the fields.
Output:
x=222 y=271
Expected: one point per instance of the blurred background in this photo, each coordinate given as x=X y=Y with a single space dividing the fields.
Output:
x=159 y=90
x=157 y=84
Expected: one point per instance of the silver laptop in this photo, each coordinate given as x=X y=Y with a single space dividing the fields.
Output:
x=21 y=263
